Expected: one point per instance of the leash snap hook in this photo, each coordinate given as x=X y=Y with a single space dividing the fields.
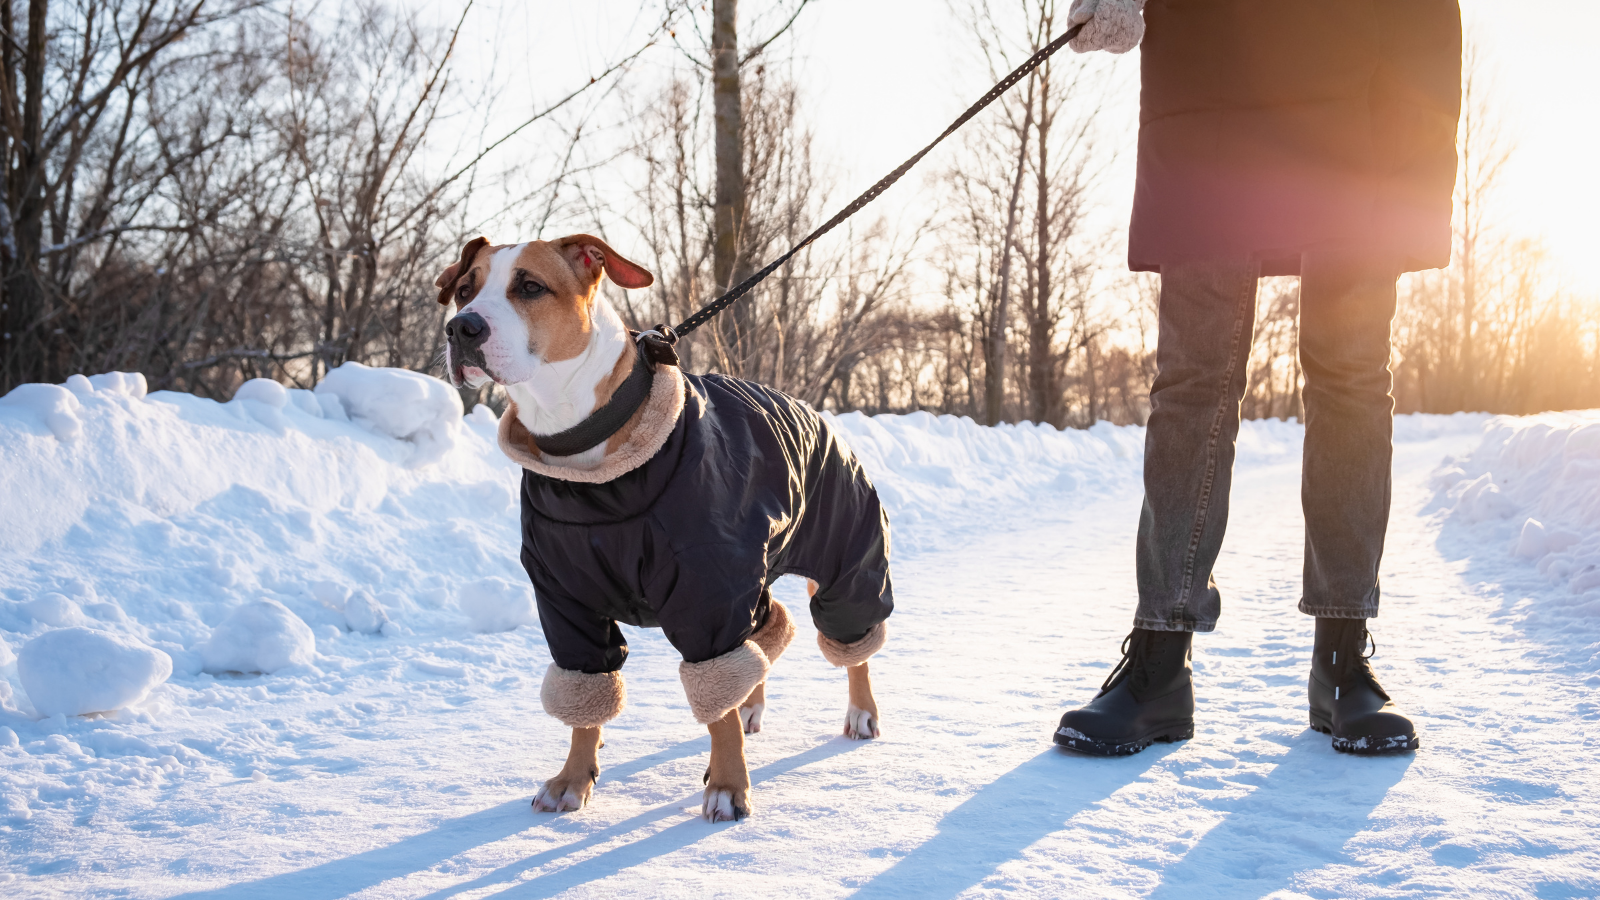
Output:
x=657 y=344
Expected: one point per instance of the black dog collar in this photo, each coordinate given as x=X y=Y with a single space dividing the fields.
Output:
x=607 y=420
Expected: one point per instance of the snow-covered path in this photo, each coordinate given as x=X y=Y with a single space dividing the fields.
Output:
x=397 y=782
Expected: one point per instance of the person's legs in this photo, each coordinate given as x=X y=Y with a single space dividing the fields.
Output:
x=1202 y=350
x=1347 y=300
x=1207 y=322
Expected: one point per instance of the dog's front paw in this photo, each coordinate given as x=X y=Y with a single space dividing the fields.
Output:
x=860 y=724
x=728 y=803
x=750 y=717
x=563 y=794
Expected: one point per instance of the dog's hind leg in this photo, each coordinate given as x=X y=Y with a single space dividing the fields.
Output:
x=727 y=794
x=569 y=790
x=751 y=709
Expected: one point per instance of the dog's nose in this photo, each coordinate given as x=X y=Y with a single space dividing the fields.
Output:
x=467 y=330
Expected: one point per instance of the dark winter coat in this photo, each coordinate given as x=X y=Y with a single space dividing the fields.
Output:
x=1267 y=127
x=751 y=484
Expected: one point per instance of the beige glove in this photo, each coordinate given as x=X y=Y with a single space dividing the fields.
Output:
x=1112 y=25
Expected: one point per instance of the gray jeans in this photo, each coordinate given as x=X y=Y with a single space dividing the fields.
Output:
x=1207 y=321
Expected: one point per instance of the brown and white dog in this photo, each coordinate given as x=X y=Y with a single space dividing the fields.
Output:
x=530 y=317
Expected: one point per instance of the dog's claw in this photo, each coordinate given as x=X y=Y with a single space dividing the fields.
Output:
x=557 y=797
x=860 y=724
x=724 y=805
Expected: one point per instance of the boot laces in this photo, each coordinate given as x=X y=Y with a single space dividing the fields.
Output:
x=1130 y=650
x=1362 y=667
x=1135 y=650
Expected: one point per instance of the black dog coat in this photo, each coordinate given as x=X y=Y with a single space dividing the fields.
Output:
x=750 y=484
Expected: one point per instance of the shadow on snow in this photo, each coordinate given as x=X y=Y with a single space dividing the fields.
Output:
x=342 y=877
x=1004 y=818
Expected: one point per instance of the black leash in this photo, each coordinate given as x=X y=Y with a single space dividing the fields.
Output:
x=658 y=341
x=655 y=345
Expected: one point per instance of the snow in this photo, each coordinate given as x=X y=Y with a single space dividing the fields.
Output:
x=495 y=604
x=257 y=636
x=1531 y=491
x=74 y=671
x=352 y=707
x=409 y=406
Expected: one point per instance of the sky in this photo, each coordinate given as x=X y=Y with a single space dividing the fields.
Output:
x=882 y=77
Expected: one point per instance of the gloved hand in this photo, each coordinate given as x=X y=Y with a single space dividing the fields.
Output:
x=1113 y=25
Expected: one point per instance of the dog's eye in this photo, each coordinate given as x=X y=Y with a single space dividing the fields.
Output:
x=464 y=292
x=531 y=288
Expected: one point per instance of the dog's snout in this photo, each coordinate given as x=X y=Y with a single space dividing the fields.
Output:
x=467 y=331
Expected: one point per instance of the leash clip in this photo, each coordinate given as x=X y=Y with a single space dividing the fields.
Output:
x=657 y=344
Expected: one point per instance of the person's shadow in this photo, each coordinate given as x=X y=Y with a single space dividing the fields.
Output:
x=1300 y=818
x=1003 y=819
x=346 y=876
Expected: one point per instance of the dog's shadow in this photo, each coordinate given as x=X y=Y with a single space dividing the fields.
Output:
x=351 y=874
x=611 y=862
x=1032 y=801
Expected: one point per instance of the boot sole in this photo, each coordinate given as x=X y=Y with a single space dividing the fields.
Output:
x=1370 y=745
x=1071 y=739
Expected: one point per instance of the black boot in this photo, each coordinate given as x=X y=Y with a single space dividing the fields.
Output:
x=1148 y=697
x=1346 y=699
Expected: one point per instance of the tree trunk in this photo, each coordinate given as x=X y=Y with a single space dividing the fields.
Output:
x=1041 y=374
x=994 y=369
x=26 y=356
x=728 y=221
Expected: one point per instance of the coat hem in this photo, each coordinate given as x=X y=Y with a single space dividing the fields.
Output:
x=721 y=683
x=856 y=652
x=582 y=699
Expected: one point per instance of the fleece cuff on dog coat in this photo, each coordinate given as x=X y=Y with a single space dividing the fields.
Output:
x=722 y=682
x=856 y=652
x=582 y=699
x=774 y=635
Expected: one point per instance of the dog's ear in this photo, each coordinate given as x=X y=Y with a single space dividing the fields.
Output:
x=588 y=255
x=446 y=281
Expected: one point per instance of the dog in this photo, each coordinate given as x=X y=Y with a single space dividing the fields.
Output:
x=677 y=502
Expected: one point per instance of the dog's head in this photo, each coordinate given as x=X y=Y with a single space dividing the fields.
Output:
x=520 y=306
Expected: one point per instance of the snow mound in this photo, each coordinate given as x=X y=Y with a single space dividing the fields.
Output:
x=1534 y=482
x=405 y=405
x=74 y=671
x=50 y=405
x=363 y=614
x=495 y=604
x=260 y=636
x=54 y=609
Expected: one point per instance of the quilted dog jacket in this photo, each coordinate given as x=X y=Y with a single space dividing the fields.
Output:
x=751 y=484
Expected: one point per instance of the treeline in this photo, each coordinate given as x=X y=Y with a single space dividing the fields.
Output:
x=209 y=192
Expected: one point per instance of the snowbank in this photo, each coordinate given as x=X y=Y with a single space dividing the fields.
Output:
x=1532 y=486
x=927 y=467
x=77 y=670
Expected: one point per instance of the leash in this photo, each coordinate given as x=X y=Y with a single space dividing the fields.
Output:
x=657 y=342
x=655 y=346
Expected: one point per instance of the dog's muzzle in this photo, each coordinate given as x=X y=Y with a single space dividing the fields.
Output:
x=465 y=334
